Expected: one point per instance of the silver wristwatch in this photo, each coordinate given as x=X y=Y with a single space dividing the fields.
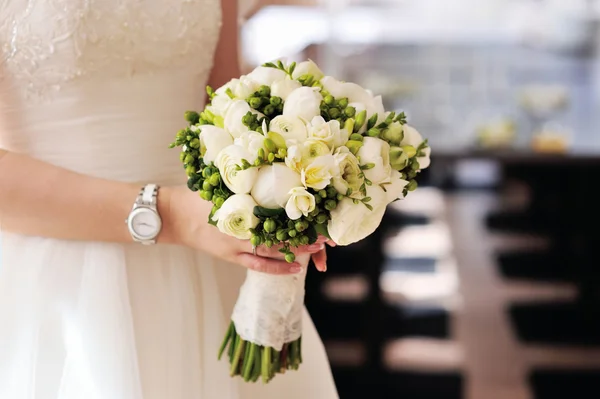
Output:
x=144 y=222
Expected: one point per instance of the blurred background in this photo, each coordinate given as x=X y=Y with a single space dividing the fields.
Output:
x=483 y=283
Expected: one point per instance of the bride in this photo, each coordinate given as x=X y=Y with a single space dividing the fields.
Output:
x=92 y=93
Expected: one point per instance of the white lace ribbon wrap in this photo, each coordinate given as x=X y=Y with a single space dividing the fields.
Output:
x=269 y=308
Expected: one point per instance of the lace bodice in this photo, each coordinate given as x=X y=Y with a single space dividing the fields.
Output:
x=101 y=86
x=49 y=43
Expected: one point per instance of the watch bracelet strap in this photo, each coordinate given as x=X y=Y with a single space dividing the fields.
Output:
x=148 y=195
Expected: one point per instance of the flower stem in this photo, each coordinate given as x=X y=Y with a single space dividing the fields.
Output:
x=239 y=347
x=266 y=364
x=228 y=337
x=249 y=362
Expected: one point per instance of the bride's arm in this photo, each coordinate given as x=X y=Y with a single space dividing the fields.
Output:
x=226 y=60
x=44 y=200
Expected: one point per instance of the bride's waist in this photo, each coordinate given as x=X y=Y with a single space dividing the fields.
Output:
x=114 y=132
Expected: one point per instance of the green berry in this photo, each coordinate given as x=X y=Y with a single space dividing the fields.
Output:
x=318 y=199
x=270 y=145
x=290 y=257
x=331 y=192
x=219 y=201
x=330 y=205
x=192 y=117
x=188 y=159
x=206 y=186
x=321 y=218
x=292 y=233
x=412 y=185
x=255 y=102
x=350 y=112
x=323 y=193
x=269 y=110
x=374 y=132
x=256 y=241
x=328 y=99
x=215 y=179
x=190 y=170
x=300 y=226
x=295 y=241
x=271 y=157
x=281 y=235
x=207 y=172
x=356 y=137
x=304 y=240
x=207 y=195
x=340 y=197
x=275 y=101
x=343 y=102
x=269 y=225
x=264 y=91
x=334 y=113
x=280 y=108
x=268 y=243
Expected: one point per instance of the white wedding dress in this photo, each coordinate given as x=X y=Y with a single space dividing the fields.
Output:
x=100 y=87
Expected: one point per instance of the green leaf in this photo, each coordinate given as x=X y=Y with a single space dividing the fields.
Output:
x=261 y=212
x=312 y=234
x=321 y=229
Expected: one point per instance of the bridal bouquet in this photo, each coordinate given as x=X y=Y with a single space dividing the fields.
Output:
x=286 y=154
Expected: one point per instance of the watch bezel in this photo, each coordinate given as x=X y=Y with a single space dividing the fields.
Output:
x=143 y=209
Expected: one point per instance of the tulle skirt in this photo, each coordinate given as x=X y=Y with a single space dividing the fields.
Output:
x=85 y=320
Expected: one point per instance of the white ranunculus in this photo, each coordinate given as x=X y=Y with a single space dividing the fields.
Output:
x=233 y=118
x=236 y=216
x=413 y=138
x=274 y=184
x=301 y=202
x=357 y=96
x=253 y=142
x=282 y=88
x=395 y=188
x=289 y=127
x=376 y=152
x=244 y=88
x=352 y=222
x=307 y=68
x=350 y=173
x=319 y=172
x=328 y=132
x=266 y=75
x=228 y=160
x=212 y=140
x=304 y=103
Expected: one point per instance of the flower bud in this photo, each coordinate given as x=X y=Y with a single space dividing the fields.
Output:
x=374 y=132
x=354 y=146
x=261 y=153
x=398 y=158
x=356 y=137
x=192 y=117
x=343 y=103
x=271 y=157
x=270 y=145
x=360 y=120
x=350 y=112
x=415 y=165
x=409 y=150
x=334 y=113
x=282 y=153
x=372 y=121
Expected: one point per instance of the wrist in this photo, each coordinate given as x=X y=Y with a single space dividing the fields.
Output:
x=164 y=205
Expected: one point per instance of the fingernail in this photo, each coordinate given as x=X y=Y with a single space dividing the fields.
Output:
x=295 y=269
x=315 y=247
x=324 y=269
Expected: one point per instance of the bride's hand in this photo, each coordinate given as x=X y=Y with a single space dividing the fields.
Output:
x=187 y=224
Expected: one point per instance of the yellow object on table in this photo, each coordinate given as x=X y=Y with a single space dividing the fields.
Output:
x=550 y=143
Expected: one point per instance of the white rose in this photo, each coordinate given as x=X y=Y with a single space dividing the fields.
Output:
x=395 y=188
x=319 y=172
x=352 y=222
x=253 y=142
x=274 y=184
x=376 y=152
x=304 y=103
x=282 y=88
x=289 y=127
x=228 y=160
x=300 y=155
x=328 y=132
x=301 y=202
x=212 y=140
x=413 y=138
x=307 y=68
x=266 y=75
x=236 y=216
x=233 y=118
x=349 y=178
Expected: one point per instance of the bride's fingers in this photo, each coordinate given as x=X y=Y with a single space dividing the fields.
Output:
x=273 y=252
x=268 y=265
x=320 y=260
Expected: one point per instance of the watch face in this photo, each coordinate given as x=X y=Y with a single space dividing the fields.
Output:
x=145 y=224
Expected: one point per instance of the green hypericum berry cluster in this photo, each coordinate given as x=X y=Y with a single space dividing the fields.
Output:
x=262 y=101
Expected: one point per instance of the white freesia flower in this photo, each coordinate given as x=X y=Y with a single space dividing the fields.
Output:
x=289 y=127
x=413 y=138
x=282 y=88
x=301 y=202
x=376 y=152
x=353 y=92
x=220 y=104
x=244 y=87
x=329 y=132
x=228 y=160
x=236 y=216
x=233 y=118
x=349 y=179
x=301 y=154
x=307 y=68
x=304 y=103
x=266 y=75
x=319 y=172
x=251 y=141
x=352 y=222
x=274 y=184
x=395 y=188
x=212 y=140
